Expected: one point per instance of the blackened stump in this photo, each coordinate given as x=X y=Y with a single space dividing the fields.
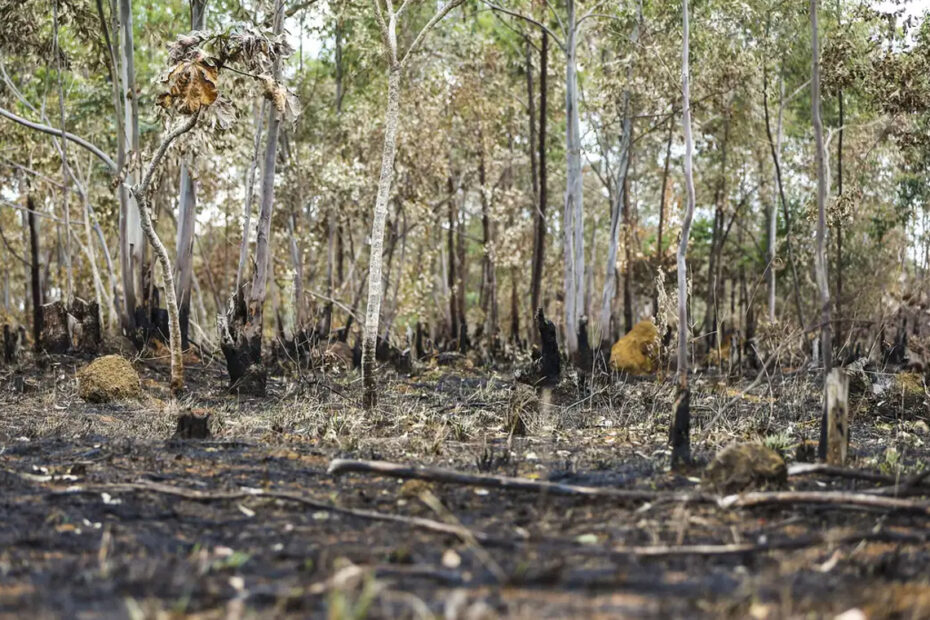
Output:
x=680 y=435
x=193 y=426
x=549 y=366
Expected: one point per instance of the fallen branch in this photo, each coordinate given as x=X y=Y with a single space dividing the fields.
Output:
x=804 y=469
x=438 y=527
x=554 y=545
x=448 y=476
x=857 y=500
x=802 y=542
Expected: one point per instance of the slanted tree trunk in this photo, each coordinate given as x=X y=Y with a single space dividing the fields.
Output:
x=680 y=434
x=775 y=148
x=373 y=308
x=140 y=193
x=539 y=217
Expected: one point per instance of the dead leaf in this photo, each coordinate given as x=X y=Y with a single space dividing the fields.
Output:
x=191 y=85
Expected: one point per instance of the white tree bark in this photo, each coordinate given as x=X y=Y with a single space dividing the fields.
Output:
x=132 y=247
x=387 y=22
x=681 y=423
x=373 y=308
x=689 y=210
x=140 y=194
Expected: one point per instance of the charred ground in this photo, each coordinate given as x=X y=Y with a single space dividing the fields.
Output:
x=76 y=541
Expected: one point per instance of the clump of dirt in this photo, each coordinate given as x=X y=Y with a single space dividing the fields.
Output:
x=637 y=353
x=109 y=378
x=741 y=466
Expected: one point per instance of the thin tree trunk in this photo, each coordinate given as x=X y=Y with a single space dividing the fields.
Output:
x=776 y=159
x=489 y=276
x=453 y=292
x=65 y=170
x=629 y=301
x=387 y=21
x=296 y=262
x=680 y=435
x=711 y=299
x=620 y=204
x=34 y=277
x=187 y=208
x=260 y=113
x=616 y=216
x=132 y=248
x=660 y=269
x=820 y=257
x=373 y=308
x=839 y=223
x=127 y=318
x=539 y=217
x=573 y=215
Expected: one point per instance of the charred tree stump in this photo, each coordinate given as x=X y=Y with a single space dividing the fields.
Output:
x=241 y=343
x=55 y=337
x=34 y=277
x=193 y=426
x=584 y=357
x=74 y=328
x=547 y=367
x=680 y=436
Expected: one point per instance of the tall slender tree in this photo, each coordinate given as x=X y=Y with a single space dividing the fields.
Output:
x=387 y=18
x=680 y=434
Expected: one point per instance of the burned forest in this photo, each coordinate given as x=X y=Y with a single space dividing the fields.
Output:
x=465 y=309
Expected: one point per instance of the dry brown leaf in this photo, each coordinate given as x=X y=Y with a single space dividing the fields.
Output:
x=191 y=86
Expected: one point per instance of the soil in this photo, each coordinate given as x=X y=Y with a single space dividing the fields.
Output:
x=74 y=544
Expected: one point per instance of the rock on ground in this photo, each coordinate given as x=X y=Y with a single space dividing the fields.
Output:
x=109 y=378
x=741 y=466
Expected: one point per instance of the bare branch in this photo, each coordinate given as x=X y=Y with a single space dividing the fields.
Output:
x=526 y=18
x=162 y=149
x=449 y=5
x=63 y=134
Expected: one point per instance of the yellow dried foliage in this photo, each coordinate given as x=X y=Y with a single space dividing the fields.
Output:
x=191 y=86
x=637 y=353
